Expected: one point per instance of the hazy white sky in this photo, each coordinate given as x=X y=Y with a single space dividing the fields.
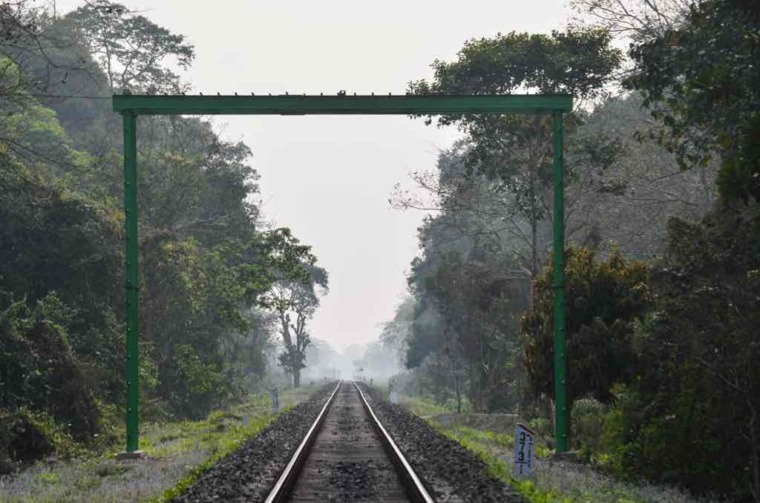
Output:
x=329 y=178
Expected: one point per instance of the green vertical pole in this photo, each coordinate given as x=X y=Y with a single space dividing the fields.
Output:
x=561 y=413
x=131 y=285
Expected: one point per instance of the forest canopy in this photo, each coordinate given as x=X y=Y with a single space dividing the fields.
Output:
x=210 y=266
x=662 y=165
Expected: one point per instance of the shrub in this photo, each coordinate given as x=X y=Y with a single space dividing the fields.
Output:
x=604 y=298
x=694 y=415
x=39 y=370
x=27 y=436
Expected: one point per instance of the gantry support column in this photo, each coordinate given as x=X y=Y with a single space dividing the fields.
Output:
x=131 y=280
x=561 y=412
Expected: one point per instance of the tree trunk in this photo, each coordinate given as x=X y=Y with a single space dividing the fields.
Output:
x=459 y=395
x=457 y=389
x=296 y=378
x=754 y=447
x=534 y=248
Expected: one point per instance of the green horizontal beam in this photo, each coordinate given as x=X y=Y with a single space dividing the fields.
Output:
x=340 y=105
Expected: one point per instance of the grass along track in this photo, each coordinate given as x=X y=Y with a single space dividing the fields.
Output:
x=176 y=450
x=554 y=481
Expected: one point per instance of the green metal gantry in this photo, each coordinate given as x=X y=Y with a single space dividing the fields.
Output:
x=131 y=106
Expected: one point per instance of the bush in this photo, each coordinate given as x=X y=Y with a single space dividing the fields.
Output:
x=693 y=414
x=588 y=420
x=604 y=298
x=39 y=370
x=27 y=436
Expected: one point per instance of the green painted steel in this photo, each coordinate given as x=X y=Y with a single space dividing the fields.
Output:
x=561 y=412
x=131 y=106
x=339 y=105
x=131 y=285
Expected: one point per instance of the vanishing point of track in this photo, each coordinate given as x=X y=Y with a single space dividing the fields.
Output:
x=347 y=455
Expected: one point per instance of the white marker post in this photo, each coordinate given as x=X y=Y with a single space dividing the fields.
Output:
x=524 y=453
x=392 y=394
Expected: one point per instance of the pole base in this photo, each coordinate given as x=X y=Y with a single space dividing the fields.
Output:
x=571 y=456
x=131 y=456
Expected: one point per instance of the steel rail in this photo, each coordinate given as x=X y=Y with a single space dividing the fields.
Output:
x=289 y=476
x=415 y=489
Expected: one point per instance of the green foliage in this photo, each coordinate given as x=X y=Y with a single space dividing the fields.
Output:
x=700 y=80
x=604 y=298
x=198 y=386
x=27 y=436
x=39 y=370
x=472 y=306
x=557 y=481
x=578 y=62
x=176 y=448
x=514 y=152
x=692 y=415
x=588 y=421
x=54 y=240
x=425 y=407
x=131 y=43
x=493 y=188
x=296 y=283
x=206 y=266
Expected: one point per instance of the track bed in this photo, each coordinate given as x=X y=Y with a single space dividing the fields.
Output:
x=347 y=461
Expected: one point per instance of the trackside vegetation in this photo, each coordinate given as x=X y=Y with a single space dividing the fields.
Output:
x=663 y=251
x=662 y=170
x=555 y=480
x=217 y=283
x=179 y=452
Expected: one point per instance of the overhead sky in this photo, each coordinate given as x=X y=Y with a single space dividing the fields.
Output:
x=329 y=178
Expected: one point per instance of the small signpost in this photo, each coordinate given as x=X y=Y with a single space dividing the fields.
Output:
x=275 y=401
x=524 y=453
x=394 y=396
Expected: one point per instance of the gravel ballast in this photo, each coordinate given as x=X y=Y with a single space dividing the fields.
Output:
x=449 y=470
x=249 y=473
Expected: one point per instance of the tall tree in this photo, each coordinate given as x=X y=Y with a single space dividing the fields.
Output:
x=295 y=302
x=514 y=152
x=131 y=49
x=701 y=80
x=294 y=297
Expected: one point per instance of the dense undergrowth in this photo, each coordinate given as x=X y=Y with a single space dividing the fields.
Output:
x=210 y=269
x=661 y=255
x=554 y=481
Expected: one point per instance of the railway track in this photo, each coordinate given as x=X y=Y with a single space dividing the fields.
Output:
x=347 y=455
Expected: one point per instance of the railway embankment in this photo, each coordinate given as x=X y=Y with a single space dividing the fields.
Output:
x=454 y=473
x=250 y=472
